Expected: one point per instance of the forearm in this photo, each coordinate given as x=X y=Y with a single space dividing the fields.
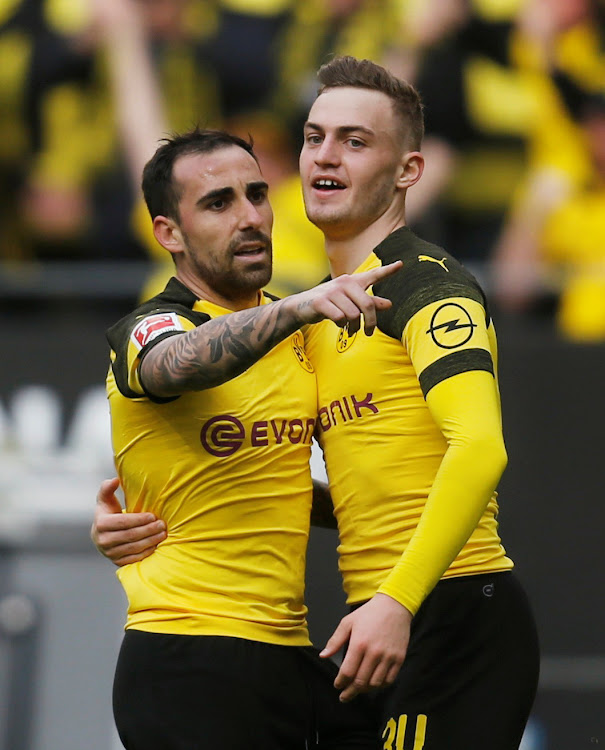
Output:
x=224 y=347
x=218 y=350
x=136 y=92
x=466 y=480
x=464 y=485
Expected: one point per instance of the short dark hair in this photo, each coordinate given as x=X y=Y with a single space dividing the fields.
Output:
x=349 y=71
x=161 y=194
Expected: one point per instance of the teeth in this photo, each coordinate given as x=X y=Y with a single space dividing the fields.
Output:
x=328 y=183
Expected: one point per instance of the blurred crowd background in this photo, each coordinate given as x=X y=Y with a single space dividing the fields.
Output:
x=514 y=186
x=514 y=92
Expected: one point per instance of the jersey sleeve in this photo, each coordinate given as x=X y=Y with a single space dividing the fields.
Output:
x=134 y=336
x=440 y=314
x=446 y=338
x=466 y=408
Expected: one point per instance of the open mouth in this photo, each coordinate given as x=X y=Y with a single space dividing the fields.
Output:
x=328 y=184
x=251 y=249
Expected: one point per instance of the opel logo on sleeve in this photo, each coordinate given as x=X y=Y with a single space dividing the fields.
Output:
x=451 y=326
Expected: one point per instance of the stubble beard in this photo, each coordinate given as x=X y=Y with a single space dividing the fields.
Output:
x=231 y=282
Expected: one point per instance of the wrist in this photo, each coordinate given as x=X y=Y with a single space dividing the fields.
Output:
x=292 y=310
x=394 y=603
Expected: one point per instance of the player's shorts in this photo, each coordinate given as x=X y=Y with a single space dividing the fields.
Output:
x=179 y=692
x=470 y=675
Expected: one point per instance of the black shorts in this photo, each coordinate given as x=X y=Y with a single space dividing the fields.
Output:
x=470 y=675
x=178 y=692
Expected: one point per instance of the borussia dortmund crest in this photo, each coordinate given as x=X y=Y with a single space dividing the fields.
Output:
x=298 y=347
x=344 y=340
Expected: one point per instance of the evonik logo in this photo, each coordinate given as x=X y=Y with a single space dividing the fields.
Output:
x=345 y=409
x=225 y=434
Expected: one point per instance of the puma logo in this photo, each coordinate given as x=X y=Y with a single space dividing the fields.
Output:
x=435 y=260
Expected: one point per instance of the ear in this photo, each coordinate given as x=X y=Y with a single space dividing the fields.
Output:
x=168 y=234
x=412 y=166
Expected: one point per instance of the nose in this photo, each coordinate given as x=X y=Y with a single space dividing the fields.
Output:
x=328 y=153
x=251 y=216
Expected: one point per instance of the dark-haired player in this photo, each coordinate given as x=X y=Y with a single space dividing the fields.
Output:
x=213 y=406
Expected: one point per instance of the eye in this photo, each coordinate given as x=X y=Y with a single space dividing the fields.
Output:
x=217 y=204
x=258 y=196
x=313 y=139
x=356 y=143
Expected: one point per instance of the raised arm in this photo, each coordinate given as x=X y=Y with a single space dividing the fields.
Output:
x=224 y=347
x=121 y=34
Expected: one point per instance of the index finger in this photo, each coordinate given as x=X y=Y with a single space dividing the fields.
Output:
x=367 y=278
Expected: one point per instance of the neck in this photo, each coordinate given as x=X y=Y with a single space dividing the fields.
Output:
x=243 y=301
x=346 y=252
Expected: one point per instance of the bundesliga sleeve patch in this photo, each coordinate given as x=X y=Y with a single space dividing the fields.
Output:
x=153 y=326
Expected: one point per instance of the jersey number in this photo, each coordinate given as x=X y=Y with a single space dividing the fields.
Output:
x=394 y=733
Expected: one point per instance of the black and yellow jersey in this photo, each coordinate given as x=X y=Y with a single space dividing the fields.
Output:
x=227 y=468
x=407 y=516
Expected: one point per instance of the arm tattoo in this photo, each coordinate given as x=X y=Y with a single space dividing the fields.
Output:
x=216 y=351
x=237 y=343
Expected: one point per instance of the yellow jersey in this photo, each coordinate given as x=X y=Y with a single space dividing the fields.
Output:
x=381 y=444
x=227 y=469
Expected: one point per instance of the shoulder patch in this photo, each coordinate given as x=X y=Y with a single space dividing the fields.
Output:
x=153 y=326
x=154 y=319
